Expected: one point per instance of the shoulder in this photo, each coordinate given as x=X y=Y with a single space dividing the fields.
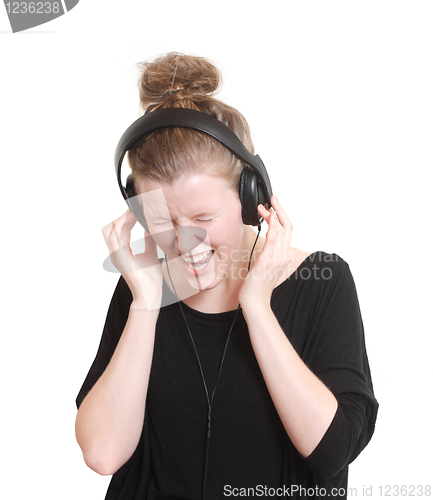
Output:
x=328 y=279
x=321 y=274
x=328 y=268
x=325 y=261
x=315 y=265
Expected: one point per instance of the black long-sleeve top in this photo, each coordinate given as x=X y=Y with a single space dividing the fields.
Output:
x=250 y=453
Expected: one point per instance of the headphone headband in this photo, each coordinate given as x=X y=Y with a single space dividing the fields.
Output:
x=196 y=120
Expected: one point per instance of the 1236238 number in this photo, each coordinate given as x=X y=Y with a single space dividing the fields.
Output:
x=33 y=7
x=401 y=490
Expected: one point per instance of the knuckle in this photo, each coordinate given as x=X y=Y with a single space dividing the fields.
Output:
x=106 y=229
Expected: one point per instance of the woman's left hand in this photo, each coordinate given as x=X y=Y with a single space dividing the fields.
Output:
x=272 y=261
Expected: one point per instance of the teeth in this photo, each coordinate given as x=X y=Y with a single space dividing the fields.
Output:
x=202 y=258
x=196 y=258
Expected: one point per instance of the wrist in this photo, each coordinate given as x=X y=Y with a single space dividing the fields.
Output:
x=140 y=306
x=256 y=308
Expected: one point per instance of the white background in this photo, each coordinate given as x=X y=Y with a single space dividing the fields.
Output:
x=339 y=97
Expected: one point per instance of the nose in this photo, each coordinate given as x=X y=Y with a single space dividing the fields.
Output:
x=189 y=237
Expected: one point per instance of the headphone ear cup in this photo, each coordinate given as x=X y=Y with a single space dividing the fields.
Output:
x=133 y=203
x=251 y=194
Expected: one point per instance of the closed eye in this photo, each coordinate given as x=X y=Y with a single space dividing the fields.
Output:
x=166 y=222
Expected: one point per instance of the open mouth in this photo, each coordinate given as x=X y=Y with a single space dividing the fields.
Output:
x=198 y=262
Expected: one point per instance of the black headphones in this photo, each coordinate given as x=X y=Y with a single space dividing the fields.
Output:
x=254 y=184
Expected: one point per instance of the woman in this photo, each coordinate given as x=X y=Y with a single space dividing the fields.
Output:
x=237 y=367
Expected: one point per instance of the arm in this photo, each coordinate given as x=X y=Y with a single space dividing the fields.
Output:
x=110 y=418
x=305 y=406
x=325 y=400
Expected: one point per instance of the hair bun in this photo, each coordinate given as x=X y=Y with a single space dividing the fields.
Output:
x=177 y=80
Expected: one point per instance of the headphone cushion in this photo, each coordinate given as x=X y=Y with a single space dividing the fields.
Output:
x=251 y=194
x=133 y=203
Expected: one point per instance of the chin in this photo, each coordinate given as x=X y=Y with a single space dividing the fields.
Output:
x=212 y=285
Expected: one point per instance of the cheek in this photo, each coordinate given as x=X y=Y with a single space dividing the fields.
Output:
x=226 y=238
x=164 y=239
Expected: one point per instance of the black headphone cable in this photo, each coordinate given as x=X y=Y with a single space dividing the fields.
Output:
x=209 y=400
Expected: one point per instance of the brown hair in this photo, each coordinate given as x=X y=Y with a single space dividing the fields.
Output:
x=177 y=80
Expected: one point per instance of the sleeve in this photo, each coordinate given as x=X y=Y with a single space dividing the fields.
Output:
x=338 y=358
x=115 y=321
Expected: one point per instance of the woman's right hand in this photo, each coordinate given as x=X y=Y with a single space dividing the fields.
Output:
x=142 y=272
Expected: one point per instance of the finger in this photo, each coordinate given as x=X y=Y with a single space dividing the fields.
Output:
x=269 y=215
x=284 y=221
x=272 y=233
x=117 y=234
x=120 y=255
x=264 y=212
x=107 y=233
x=122 y=228
x=282 y=216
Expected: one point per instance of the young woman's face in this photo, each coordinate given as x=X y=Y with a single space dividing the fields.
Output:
x=197 y=217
